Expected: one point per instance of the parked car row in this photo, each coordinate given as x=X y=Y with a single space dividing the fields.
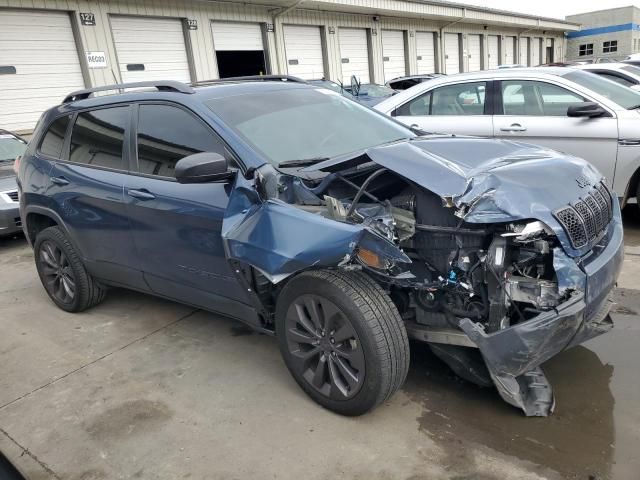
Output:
x=340 y=230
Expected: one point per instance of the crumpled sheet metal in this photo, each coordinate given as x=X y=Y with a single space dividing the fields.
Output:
x=500 y=181
x=280 y=240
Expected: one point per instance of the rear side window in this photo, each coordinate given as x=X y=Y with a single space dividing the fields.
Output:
x=97 y=137
x=53 y=140
x=167 y=134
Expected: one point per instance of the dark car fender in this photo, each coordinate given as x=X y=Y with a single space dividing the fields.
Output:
x=280 y=240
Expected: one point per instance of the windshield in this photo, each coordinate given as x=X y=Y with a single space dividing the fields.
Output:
x=623 y=96
x=10 y=147
x=305 y=123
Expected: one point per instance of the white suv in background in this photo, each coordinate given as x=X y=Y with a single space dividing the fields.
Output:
x=564 y=109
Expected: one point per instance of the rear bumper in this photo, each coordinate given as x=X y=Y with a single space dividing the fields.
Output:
x=514 y=354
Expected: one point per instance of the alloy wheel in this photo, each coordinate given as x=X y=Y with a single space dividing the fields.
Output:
x=59 y=279
x=325 y=347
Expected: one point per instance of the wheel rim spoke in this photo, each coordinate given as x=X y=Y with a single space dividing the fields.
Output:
x=315 y=312
x=304 y=320
x=320 y=372
x=347 y=373
x=298 y=336
x=336 y=380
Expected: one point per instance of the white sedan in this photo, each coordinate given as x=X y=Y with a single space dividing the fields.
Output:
x=622 y=73
x=565 y=109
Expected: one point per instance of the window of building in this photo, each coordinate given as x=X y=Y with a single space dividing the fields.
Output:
x=610 y=46
x=53 y=140
x=97 y=137
x=585 y=49
x=167 y=134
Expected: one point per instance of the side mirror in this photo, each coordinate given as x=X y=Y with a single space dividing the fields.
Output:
x=202 y=167
x=355 y=86
x=586 y=109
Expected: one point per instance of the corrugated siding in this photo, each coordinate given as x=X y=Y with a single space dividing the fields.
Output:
x=417 y=17
x=42 y=50
x=236 y=36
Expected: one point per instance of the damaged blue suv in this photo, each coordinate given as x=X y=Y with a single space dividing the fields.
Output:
x=342 y=232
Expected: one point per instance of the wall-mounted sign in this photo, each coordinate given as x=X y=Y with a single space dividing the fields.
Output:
x=192 y=24
x=88 y=19
x=269 y=27
x=332 y=30
x=374 y=31
x=96 y=59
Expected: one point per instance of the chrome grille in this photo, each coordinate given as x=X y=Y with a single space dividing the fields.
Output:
x=584 y=220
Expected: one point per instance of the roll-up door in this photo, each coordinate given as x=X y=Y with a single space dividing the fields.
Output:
x=493 y=54
x=303 y=48
x=150 y=48
x=535 y=52
x=425 y=51
x=393 y=54
x=239 y=49
x=524 y=52
x=39 y=65
x=475 y=52
x=354 y=54
x=509 y=50
x=452 y=53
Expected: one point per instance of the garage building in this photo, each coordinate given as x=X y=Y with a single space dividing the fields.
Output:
x=48 y=49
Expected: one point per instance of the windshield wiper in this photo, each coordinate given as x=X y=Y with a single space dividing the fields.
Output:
x=302 y=163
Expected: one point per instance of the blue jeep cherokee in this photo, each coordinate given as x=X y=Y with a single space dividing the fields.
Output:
x=308 y=216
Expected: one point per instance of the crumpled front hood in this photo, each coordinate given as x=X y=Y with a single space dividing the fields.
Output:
x=489 y=180
x=496 y=179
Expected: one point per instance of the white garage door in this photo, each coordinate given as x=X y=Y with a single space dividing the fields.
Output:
x=475 y=53
x=303 y=48
x=426 y=52
x=451 y=53
x=39 y=65
x=509 y=50
x=150 y=49
x=524 y=51
x=354 y=54
x=236 y=36
x=535 y=52
x=393 y=54
x=493 y=54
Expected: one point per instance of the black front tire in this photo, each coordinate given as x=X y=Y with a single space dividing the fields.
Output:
x=62 y=273
x=376 y=341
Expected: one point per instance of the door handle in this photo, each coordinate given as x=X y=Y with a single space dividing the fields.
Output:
x=59 y=181
x=515 y=127
x=141 y=194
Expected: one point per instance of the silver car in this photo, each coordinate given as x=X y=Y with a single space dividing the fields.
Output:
x=11 y=146
x=622 y=73
x=565 y=109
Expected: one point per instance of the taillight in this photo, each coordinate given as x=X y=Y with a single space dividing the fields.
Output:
x=16 y=165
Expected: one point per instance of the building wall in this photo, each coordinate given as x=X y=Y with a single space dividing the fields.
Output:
x=99 y=38
x=620 y=24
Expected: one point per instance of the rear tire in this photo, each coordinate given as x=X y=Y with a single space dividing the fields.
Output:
x=63 y=274
x=342 y=339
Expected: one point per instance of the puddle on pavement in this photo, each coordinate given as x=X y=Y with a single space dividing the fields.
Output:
x=594 y=433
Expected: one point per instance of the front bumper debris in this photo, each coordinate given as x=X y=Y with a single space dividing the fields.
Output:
x=514 y=355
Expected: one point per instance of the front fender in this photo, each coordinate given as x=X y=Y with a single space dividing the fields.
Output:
x=279 y=239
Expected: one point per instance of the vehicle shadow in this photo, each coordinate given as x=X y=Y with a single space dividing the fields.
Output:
x=577 y=440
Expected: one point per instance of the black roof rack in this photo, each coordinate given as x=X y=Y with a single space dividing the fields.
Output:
x=253 y=78
x=163 y=85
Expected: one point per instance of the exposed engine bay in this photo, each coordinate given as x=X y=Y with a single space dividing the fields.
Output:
x=493 y=283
